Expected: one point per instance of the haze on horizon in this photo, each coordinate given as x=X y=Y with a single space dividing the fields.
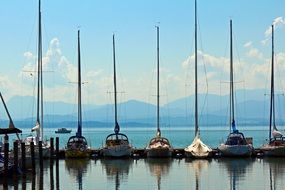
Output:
x=133 y=23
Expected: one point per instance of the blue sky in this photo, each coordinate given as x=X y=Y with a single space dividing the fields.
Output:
x=133 y=23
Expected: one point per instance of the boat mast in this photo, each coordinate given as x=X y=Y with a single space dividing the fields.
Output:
x=196 y=77
x=232 y=109
x=272 y=103
x=117 y=127
x=158 y=117
x=79 y=129
x=11 y=124
x=40 y=80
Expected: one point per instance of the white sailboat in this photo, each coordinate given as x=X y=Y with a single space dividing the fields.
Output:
x=276 y=145
x=236 y=144
x=116 y=144
x=5 y=131
x=158 y=146
x=197 y=149
x=38 y=128
x=77 y=145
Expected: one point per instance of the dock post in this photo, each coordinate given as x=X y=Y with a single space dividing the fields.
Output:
x=57 y=147
x=41 y=153
x=6 y=157
x=6 y=154
x=33 y=157
x=23 y=157
x=16 y=157
x=51 y=148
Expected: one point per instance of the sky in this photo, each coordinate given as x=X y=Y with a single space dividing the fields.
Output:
x=133 y=23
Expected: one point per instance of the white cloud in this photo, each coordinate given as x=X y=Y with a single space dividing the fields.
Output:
x=277 y=23
x=254 y=53
x=29 y=56
x=248 y=44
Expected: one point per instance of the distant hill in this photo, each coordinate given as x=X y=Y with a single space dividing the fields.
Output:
x=22 y=107
x=252 y=108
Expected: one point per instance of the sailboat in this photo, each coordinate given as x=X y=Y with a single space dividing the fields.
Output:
x=197 y=149
x=158 y=146
x=276 y=145
x=77 y=145
x=5 y=131
x=236 y=144
x=116 y=144
x=39 y=120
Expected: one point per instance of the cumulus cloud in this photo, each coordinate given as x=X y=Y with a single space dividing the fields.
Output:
x=254 y=73
x=248 y=44
x=62 y=70
x=252 y=51
x=277 y=23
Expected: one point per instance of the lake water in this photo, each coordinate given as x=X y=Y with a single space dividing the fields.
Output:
x=150 y=174
x=139 y=137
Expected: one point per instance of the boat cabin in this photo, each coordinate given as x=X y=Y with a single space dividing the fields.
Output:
x=277 y=141
x=116 y=139
x=236 y=138
x=75 y=142
x=162 y=140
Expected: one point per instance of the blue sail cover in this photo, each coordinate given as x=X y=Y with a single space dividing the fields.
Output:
x=234 y=127
x=117 y=128
x=79 y=131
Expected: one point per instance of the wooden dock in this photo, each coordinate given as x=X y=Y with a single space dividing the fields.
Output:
x=140 y=153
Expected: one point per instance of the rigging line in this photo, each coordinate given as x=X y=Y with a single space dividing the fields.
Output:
x=166 y=91
x=278 y=71
x=186 y=96
x=206 y=78
x=239 y=63
x=244 y=99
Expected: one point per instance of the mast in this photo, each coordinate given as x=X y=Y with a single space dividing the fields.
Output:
x=79 y=129
x=39 y=120
x=158 y=117
x=232 y=109
x=11 y=124
x=196 y=77
x=117 y=127
x=272 y=103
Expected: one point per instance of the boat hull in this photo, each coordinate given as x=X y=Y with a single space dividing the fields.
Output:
x=268 y=150
x=159 y=152
x=10 y=166
x=45 y=150
x=117 y=151
x=77 y=154
x=236 y=150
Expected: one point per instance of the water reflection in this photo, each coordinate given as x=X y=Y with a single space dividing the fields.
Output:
x=117 y=169
x=237 y=169
x=28 y=180
x=77 y=169
x=276 y=171
x=159 y=168
x=197 y=165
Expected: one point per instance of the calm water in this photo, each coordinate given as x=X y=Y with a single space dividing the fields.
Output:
x=157 y=173
x=139 y=137
x=222 y=174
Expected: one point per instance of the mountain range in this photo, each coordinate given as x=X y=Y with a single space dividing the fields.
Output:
x=252 y=108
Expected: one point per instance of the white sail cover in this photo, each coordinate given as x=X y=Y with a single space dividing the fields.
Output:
x=198 y=148
x=276 y=133
x=36 y=127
